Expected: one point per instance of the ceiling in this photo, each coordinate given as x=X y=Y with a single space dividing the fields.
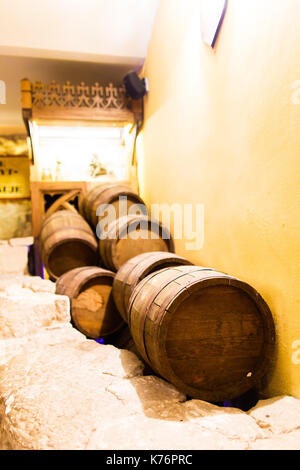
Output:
x=90 y=40
x=105 y=31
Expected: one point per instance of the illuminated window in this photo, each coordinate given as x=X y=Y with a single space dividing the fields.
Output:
x=82 y=152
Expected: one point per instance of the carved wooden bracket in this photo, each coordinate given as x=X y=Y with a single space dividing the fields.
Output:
x=78 y=96
x=68 y=101
x=63 y=203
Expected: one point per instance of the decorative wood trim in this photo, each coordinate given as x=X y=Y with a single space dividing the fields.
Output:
x=78 y=102
x=86 y=114
x=78 y=96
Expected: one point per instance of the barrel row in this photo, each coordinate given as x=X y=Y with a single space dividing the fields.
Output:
x=97 y=295
x=68 y=241
x=209 y=334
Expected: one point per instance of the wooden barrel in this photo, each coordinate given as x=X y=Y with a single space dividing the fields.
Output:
x=209 y=334
x=107 y=194
x=136 y=269
x=67 y=242
x=130 y=236
x=93 y=309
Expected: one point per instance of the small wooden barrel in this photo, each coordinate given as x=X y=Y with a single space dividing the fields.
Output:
x=130 y=236
x=67 y=242
x=93 y=309
x=136 y=269
x=207 y=333
x=107 y=194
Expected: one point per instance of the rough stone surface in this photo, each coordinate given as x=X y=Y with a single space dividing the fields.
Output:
x=59 y=390
x=22 y=313
x=277 y=415
x=63 y=333
x=146 y=395
x=55 y=397
x=15 y=218
x=231 y=422
x=21 y=241
x=140 y=432
x=10 y=282
x=13 y=259
x=85 y=395
x=290 y=441
x=36 y=284
x=165 y=422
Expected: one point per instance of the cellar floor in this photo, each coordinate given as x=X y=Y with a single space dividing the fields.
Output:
x=59 y=390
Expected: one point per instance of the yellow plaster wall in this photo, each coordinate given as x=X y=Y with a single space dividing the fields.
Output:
x=222 y=130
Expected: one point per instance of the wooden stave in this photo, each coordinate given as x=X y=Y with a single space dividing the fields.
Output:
x=50 y=237
x=73 y=282
x=107 y=244
x=89 y=201
x=62 y=215
x=152 y=351
x=136 y=269
x=86 y=201
x=105 y=194
x=64 y=284
x=169 y=242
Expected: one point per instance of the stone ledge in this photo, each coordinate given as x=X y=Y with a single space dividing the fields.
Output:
x=59 y=390
x=290 y=441
x=11 y=282
x=23 y=313
x=13 y=259
x=22 y=241
x=277 y=415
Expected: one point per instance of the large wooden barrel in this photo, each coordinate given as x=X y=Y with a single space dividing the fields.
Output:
x=107 y=194
x=130 y=236
x=209 y=334
x=93 y=309
x=67 y=242
x=136 y=269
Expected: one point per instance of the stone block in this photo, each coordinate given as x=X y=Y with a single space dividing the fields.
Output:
x=21 y=241
x=13 y=260
x=56 y=396
x=277 y=415
x=22 y=313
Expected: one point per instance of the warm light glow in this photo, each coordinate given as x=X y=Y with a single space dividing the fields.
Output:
x=86 y=153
